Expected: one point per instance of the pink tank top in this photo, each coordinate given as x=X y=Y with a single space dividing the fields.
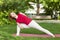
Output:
x=23 y=19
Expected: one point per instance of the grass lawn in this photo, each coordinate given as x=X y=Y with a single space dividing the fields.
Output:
x=35 y=38
x=53 y=27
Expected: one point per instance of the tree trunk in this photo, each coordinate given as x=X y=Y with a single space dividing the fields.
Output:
x=37 y=7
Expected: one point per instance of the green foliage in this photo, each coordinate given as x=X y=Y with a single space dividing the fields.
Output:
x=18 y=5
x=51 y=5
x=59 y=17
x=6 y=6
x=6 y=36
x=4 y=19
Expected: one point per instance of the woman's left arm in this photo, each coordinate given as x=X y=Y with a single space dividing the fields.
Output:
x=22 y=13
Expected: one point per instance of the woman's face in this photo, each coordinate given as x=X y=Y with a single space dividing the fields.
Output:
x=13 y=14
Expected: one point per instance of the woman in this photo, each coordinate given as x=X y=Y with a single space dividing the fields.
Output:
x=25 y=22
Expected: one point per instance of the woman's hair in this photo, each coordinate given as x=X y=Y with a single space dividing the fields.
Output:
x=11 y=18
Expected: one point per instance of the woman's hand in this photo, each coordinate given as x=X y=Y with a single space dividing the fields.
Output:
x=20 y=25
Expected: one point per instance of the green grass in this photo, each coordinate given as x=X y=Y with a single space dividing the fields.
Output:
x=53 y=27
x=37 y=38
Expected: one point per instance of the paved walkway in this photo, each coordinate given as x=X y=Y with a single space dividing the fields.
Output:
x=36 y=35
x=48 y=21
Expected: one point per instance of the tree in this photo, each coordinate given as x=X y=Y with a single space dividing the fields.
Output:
x=6 y=6
x=37 y=7
x=51 y=5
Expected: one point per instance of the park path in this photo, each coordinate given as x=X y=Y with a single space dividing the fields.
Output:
x=48 y=21
x=36 y=35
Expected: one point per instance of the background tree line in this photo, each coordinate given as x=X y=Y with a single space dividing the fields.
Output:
x=6 y=6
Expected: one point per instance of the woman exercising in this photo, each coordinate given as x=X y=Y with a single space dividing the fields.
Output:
x=24 y=21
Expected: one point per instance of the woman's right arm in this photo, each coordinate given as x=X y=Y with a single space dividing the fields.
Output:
x=19 y=25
